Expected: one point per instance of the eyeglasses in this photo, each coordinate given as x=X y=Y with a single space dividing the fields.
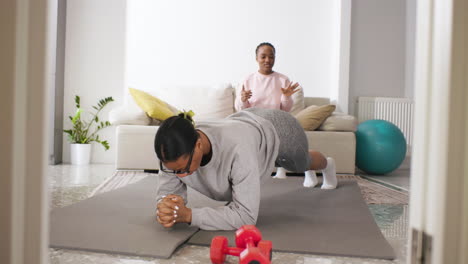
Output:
x=186 y=170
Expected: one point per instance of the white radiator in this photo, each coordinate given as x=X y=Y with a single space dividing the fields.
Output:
x=398 y=111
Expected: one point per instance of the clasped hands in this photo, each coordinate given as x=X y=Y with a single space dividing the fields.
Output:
x=171 y=209
x=288 y=91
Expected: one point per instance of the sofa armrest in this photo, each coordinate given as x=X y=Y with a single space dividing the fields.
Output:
x=135 y=148
x=339 y=145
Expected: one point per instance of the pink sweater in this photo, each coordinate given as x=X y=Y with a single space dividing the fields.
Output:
x=266 y=92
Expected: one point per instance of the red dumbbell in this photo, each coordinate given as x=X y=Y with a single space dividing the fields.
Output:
x=251 y=249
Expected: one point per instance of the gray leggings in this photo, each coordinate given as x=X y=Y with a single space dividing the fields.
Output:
x=293 y=152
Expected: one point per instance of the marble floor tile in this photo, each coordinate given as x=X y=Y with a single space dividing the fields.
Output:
x=72 y=183
x=398 y=179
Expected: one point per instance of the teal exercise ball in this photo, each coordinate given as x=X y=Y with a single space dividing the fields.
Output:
x=380 y=147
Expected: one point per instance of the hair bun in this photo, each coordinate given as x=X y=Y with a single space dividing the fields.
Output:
x=188 y=115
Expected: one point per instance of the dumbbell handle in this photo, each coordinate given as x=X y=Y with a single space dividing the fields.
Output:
x=249 y=242
x=233 y=251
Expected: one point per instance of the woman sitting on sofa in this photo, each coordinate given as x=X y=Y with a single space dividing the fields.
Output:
x=266 y=88
x=226 y=160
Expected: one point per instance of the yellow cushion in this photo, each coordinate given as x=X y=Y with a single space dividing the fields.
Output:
x=153 y=106
x=313 y=116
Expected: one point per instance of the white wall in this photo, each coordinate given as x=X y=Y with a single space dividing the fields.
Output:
x=210 y=41
x=94 y=63
x=343 y=35
x=410 y=47
x=378 y=49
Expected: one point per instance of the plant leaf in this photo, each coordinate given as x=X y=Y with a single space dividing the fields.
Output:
x=77 y=115
x=77 y=101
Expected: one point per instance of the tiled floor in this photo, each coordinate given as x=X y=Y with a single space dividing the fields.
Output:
x=70 y=184
x=398 y=179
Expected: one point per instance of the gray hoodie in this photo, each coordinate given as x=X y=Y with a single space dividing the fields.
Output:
x=245 y=147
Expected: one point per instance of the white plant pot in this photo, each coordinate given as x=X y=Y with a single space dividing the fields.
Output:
x=80 y=154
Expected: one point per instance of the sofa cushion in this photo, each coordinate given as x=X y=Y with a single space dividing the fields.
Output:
x=313 y=116
x=153 y=106
x=123 y=116
x=308 y=101
x=206 y=101
x=339 y=122
x=298 y=102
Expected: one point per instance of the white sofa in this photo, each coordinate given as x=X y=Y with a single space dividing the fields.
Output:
x=136 y=131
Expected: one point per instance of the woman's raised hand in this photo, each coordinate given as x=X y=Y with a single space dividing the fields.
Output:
x=245 y=95
x=291 y=89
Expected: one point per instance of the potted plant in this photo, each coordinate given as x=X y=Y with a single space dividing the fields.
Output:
x=84 y=131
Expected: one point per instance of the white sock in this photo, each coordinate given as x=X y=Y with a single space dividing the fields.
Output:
x=310 y=179
x=280 y=173
x=329 y=175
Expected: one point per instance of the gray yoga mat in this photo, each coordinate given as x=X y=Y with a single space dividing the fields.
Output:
x=314 y=221
x=121 y=221
x=296 y=219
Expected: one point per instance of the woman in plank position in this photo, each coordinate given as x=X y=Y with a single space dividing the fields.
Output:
x=226 y=160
